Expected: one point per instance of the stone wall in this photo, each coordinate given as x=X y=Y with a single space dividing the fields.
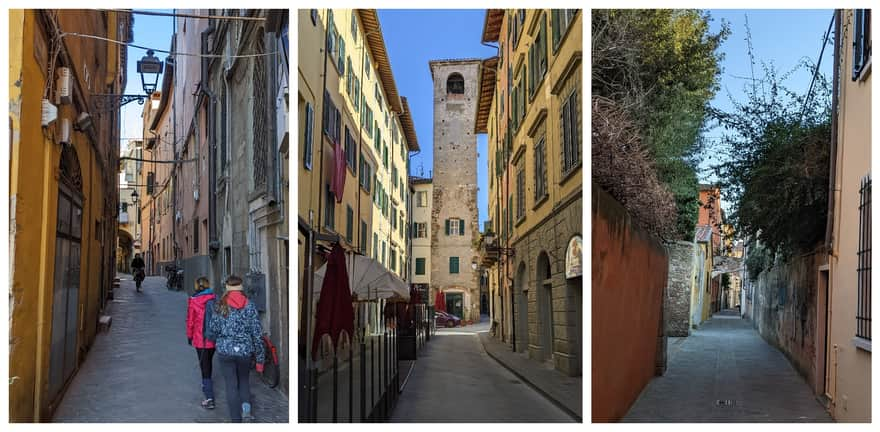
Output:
x=629 y=267
x=551 y=237
x=455 y=182
x=785 y=299
x=677 y=303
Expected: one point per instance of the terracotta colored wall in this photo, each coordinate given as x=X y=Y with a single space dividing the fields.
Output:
x=629 y=277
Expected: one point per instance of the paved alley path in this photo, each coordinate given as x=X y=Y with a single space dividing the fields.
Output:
x=726 y=359
x=455 y=381
x=143 y=370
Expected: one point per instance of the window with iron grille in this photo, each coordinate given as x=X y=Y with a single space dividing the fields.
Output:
x=570 y=136
x=261 y=124
x=861 y=41
x=863 y=312
x=540 y=170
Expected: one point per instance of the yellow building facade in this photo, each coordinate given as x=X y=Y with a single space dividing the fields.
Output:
x=63 y=198
x=848 y=377
x=347 y=93
x=530 y=107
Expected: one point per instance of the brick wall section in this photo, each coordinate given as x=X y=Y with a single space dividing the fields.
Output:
x=629 y=267
x=785 y=310
x=677 y=303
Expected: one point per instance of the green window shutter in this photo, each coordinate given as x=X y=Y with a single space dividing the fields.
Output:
x=420 y=266
x=460 y=227
x=453 y=265
x=447 y=227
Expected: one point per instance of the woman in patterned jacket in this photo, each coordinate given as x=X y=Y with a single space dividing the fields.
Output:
x=236 y=327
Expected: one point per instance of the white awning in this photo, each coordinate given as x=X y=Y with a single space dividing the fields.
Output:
x=368 y=280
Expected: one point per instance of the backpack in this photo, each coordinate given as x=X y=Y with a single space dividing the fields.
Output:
x=206 y=323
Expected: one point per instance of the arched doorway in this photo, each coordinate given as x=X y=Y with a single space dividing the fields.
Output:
x=65 y=292
x=544 y=296
x=124 y=252
x=522 y=308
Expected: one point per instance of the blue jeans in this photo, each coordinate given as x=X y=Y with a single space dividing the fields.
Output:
x=236 y=374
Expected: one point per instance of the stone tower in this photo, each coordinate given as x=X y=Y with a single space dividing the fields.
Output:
x=454 y=217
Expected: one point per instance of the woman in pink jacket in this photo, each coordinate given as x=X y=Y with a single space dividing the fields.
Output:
x=198 y=312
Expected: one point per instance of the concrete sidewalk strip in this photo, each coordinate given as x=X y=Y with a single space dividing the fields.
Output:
x=455 y=381
x=566 y=392
x=725 y=372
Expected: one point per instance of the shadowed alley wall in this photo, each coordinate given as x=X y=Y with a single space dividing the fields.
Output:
x=785 y=310
x=629 y=278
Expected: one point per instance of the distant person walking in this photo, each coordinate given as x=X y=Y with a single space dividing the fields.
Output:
x=198 y=315
x=236 y=324
x=137 y=266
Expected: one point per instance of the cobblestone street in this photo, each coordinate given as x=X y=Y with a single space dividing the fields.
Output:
x=143 y=370
x=454 y=380
x=726 y=360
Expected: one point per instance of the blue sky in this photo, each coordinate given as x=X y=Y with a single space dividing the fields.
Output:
x=415 y=37
x=782 y=37
x=153 y=32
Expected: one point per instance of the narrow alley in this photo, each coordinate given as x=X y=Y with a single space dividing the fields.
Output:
x=143 y=370
x=454 y=380
x=725 y=372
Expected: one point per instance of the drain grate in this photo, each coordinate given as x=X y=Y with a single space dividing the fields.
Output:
x=725 y=402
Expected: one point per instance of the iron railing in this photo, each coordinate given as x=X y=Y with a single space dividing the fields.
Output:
x=863 y=312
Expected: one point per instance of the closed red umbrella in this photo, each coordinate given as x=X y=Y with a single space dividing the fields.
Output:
x=440 y=302
x=334 y=312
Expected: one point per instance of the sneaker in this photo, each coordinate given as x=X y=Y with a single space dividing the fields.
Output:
x=246 y=415
x=208 y=404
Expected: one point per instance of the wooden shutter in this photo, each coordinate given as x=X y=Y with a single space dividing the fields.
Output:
x=461 y=227
x=447 y=227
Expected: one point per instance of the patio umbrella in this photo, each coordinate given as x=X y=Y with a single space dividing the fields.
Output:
x=440 y=302
x=368 y=280
x=334 y=312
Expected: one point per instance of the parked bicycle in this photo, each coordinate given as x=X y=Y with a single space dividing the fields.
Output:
x=173 y=277
x=271 y=371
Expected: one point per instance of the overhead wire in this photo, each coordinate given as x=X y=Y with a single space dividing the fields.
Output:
x=170 y=53
x=181 y=15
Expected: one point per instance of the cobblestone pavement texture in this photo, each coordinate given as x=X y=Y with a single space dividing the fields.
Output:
x=726 y=360
x=143 y=370
x=565 y=391
x=455 y=381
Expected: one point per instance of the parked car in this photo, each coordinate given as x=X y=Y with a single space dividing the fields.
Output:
x=445 y=319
